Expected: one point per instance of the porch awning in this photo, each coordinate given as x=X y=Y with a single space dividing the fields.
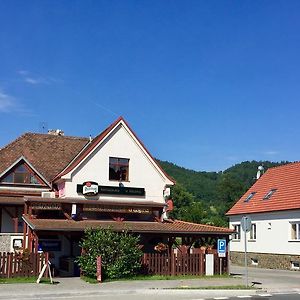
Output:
x=107 y=202
x=11 y=200
x=166 y=227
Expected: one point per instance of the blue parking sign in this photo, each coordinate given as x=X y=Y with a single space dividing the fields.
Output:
x=221 y=248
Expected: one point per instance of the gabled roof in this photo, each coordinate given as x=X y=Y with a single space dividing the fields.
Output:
x=47 y=154
x=24 y=160
x=100 y=138
x=284 y=179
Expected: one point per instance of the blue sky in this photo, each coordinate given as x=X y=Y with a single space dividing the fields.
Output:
x=204 y=84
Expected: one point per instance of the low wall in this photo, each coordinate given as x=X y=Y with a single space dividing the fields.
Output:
x=266 y=260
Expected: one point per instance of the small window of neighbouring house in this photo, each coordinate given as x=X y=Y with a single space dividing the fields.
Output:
x=253 y=232
x=250 y=196
x=21 y=174
x=118 y=169
x=295 y=231
x=269 y=194
x=237 y=234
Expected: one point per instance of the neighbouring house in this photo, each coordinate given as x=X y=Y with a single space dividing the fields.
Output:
x=273 y=205
x=53 y=187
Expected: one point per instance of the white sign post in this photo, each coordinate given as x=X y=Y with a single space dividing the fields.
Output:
x=246 y=226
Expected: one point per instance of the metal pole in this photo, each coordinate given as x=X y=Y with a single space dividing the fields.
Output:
x=245 y=239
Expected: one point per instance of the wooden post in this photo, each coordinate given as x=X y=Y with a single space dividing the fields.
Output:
x=16 y=219
x=25 y=228
x=99 y=269
x=9 y=264
x=173 y=262
x=36 y=243
x=0 y=217
x=29 y=240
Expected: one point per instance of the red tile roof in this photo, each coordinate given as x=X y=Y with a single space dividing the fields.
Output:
x=174 y=227
x=48 y=154
x=285 y=179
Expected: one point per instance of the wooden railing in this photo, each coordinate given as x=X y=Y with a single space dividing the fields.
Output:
x=21 y=265
x=181 y=264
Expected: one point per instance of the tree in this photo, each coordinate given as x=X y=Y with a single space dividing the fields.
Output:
x=120 y=253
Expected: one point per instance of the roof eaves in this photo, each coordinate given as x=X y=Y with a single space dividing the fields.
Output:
x=147 y=151
x=29 y=164
x=87 y=149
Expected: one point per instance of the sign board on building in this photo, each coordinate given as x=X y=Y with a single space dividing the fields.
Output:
x=221 y=247
x=46 y=206
x=90 y=188
x=94 y=189
x=103 y=208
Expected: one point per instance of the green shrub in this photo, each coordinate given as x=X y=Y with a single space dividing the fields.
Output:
x=120 y=253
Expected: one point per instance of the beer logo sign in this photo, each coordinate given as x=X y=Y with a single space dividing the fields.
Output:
x=90 y=188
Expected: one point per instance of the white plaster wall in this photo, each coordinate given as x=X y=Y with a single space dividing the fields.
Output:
x=269 y=239
x=142 y=173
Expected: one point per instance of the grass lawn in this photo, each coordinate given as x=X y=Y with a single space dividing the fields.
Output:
x=23 y=280
x=156 y=277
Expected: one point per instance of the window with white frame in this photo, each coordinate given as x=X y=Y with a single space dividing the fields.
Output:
x=295 y=230
x=253 y=232
x=237 y=234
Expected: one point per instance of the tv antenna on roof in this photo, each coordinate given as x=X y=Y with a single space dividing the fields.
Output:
x=43 y=127
x=260 y=171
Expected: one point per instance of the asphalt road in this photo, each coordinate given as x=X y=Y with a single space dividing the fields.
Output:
x=177 y=296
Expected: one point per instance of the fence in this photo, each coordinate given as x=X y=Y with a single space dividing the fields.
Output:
x=181 y=264
x=21 y=265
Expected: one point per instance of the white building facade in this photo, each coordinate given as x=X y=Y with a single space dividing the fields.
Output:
x=274 y=238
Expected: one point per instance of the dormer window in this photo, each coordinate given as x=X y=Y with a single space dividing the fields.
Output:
x=249 y=197
x=118 y=169
x=269 y=194
x=21 y=174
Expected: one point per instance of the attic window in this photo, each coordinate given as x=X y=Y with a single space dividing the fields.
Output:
x=269 y=194
x=250 y=196
x=21 y=174
x=118 y=168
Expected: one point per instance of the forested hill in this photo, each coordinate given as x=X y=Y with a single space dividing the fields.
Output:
x=205 y=197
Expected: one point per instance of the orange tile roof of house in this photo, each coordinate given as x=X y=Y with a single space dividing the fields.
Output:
x=285 y=180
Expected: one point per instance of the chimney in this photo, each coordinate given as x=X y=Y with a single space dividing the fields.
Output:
x=56 y=132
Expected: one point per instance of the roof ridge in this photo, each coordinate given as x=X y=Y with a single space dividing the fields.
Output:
x=41 y=134
x=285 y=165
x=58 y=136
x=87 y=147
